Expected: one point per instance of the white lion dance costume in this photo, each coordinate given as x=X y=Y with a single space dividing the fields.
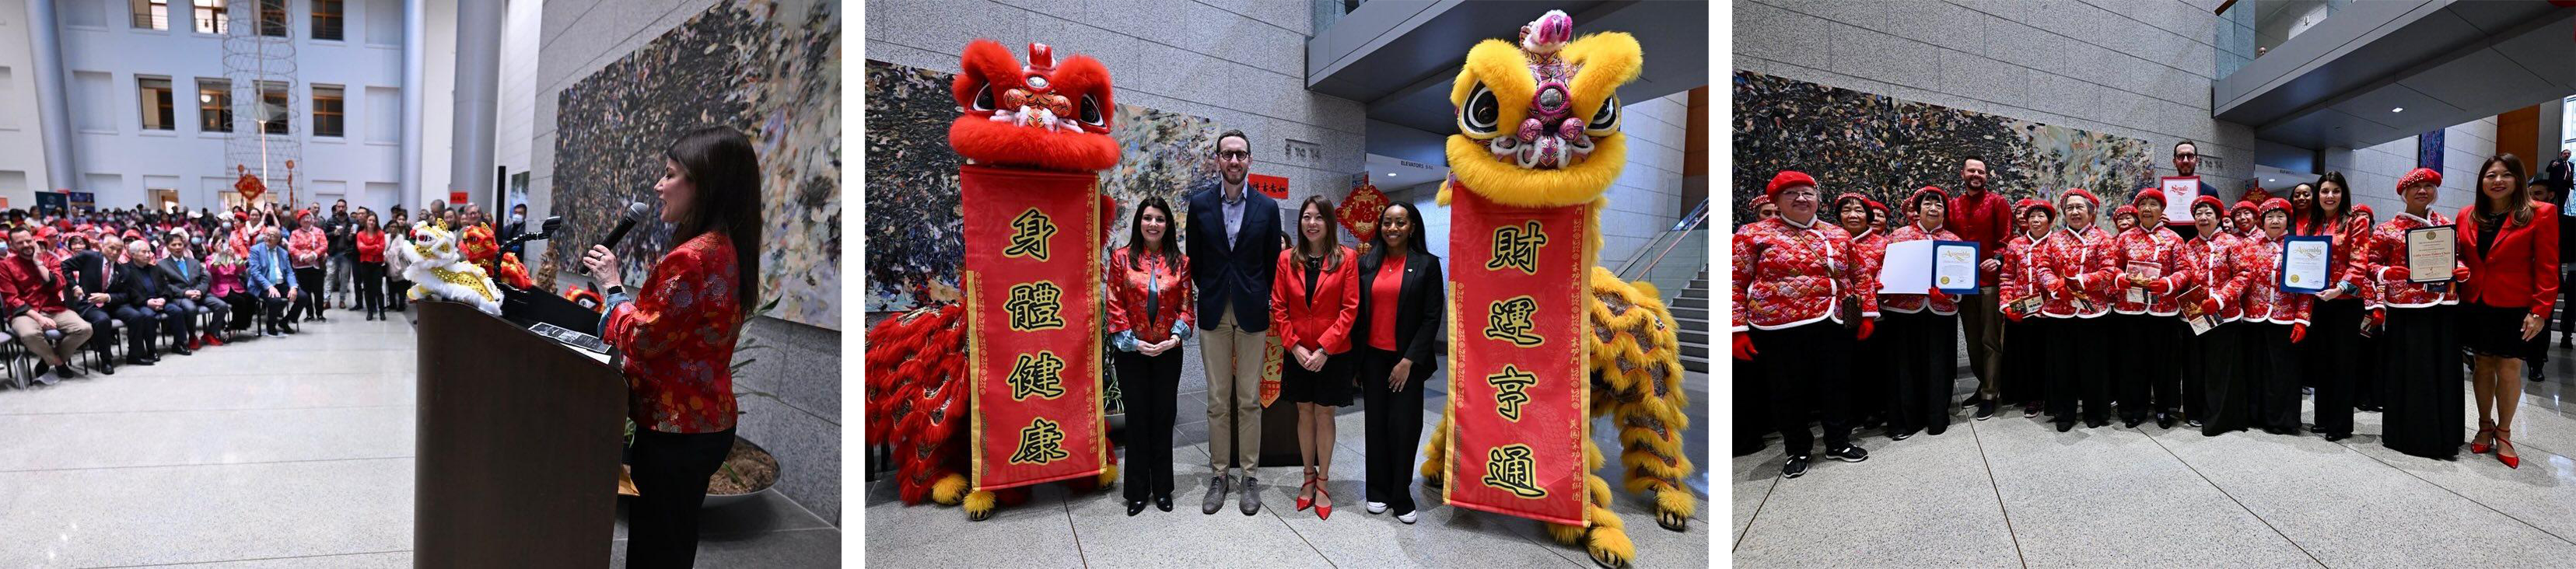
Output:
x=439 y=272
x=1539 y=129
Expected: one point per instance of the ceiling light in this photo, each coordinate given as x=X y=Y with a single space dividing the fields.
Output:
x=1390 y=174
x=2397 y=110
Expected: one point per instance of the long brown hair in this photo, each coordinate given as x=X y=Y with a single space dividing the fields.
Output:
x=721 y=164
x=2315 y=220
x=1332 y=239
x=2517 y=200
x=1169 y=248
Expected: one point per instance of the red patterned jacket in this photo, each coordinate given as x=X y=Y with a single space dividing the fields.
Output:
x=1163 y=278
x=1912 y=303
x=679 y=339
x=1787 y=275
x=2059 y=261
x=2353 y=269
x=2161 y=249
x=1870 y=251
x=2259 y=260
x=2018 y=276
x=2213 y=269
x=2388 y=249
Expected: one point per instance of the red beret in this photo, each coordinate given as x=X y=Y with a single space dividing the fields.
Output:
x=2088 y=196
x=1873 y=204
x=2420 y=175
x=2213 y=202
x=2142 y=195
x=132 y=234
x=2244 y=205
x=44 y=232
x=2128 y=210
x=1758 y=202
x=2365 y=210
x=1932 y=190
x=2028 y=204
x=2274 y=204
x=1787 y=179
x=1838 y=200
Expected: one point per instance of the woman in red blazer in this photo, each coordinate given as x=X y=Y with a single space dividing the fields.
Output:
x=1149 y=317
x=1314 y=297
x=2510 y=245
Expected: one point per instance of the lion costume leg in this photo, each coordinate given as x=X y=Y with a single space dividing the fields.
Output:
x=1435 y=452
x=1637 y=371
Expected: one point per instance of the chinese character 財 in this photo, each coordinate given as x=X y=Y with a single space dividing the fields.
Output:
x=1029 y=233
x=1509 y=320
x=1034 y=306
x=1041 y=375
x=1517 y=248
x=1510 y=386
x=1510 y=468
x=1040 y=443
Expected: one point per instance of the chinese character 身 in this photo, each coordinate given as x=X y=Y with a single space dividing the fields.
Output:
x=1029 y=233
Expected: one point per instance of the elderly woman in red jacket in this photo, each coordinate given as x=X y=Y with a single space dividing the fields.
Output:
x=2066 y=261
x=1314 y=298
x=2419 y=356
x=2510 y=245
x=2144 y=267
x=1149 y=316
x=1922 y=331
x=1801 y=300
x=2217 y=399
x=2278 y=319
x=1869 y=391
x=2027 y=306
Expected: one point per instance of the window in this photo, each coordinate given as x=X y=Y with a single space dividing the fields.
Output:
x=210 y=16
x=272 y=113
x=157 y=112
x=326 y=111
x=272 y=18
x=151 y=14
x=214 y=105
x=326 y=20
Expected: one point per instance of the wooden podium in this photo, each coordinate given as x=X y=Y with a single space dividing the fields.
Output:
x=518 y=446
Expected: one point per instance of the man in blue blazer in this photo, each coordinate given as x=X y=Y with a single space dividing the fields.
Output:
x=271 y=279
x=1234 y=241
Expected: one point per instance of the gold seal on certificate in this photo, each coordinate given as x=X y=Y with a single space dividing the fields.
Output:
x=2430 y=252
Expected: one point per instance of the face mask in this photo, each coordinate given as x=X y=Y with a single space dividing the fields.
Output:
x=516 y=218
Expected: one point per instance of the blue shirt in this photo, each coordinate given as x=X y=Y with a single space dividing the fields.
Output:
x=268 y=266
x=1233 y=208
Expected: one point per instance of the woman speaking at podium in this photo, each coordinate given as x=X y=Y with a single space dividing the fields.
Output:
x=678 y=332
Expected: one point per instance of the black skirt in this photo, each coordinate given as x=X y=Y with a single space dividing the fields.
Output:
x=2421 y=365
x=2492 y=331
x=1331 y=387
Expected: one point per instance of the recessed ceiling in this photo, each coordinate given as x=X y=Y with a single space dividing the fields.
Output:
x=2446 y=64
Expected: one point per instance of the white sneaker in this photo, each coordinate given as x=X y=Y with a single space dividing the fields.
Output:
x=49 y=378
x=1377 y=507
x=1409 y=517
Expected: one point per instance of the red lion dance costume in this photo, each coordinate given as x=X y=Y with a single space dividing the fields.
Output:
x=978 y=400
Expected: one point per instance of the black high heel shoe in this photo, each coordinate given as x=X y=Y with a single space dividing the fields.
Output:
x=1134 y=507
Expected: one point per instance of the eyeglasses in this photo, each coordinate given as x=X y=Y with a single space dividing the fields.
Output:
x=1234 y=155
x=2183 y=155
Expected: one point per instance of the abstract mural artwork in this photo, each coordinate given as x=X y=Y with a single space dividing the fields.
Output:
x=768 y=67
x=913 y=226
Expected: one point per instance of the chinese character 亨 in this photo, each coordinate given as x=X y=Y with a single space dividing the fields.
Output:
x=1041 y=442
x=1511 y=468
x=1040 y=375
x=1035 y=306
x=1029 y=233
x=1509 y=320
x=1516 y=247
x=1510 y=390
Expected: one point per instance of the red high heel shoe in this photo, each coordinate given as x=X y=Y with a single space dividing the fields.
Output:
x=1323 y=502
x=1307 y=500
x=2486 y=429
x=2504 y=440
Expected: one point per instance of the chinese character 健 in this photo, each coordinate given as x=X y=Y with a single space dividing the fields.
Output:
x=1041 y=375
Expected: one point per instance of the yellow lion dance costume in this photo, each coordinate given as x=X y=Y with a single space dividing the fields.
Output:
x=1504 y=153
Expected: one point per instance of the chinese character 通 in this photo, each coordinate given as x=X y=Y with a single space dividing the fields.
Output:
x=1509 y=467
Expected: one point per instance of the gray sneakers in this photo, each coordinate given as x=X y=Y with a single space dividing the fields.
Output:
x=1215 y=494
x=1251 y=495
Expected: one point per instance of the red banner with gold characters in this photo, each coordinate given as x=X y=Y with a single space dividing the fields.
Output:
x=1033 y=322
x=1516 y=379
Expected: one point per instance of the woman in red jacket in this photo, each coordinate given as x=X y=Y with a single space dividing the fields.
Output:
x=1314 y=298
x=2279 y=322
x=1149 y=317
x=1794 y=279
x=2224 y=398
x=2027 y=307
x=2076 y=371
x=371 y=266
x=2420 y=356
x=2330 y=361
x=1870 y=384
x=1922 y=331
x=2511 y=247
x=2142 y=269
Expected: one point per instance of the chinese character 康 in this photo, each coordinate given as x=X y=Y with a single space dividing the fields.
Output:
x=1042 y=442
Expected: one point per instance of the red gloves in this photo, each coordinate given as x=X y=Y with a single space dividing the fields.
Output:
x=2209 y=306
x=2060 y=288
x=2379 y=317
x=2160 y=287
x=2396 y=274
x=2460 y=274
x=1935 y=294
x=1867 y=326
x=2298 y=332
x=2012 y=315
x=1743 y=347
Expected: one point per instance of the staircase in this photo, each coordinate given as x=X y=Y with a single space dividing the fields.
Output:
x=1691 y=311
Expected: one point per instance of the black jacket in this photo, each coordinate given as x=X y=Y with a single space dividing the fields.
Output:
x=180 y=275
x=342 y=236
x=85 y=270
x=1237 y=275
x=133 y=284
x=1420 y=301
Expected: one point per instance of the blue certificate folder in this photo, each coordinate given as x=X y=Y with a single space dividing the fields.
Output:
x=2282 y=276
x=1976 y=255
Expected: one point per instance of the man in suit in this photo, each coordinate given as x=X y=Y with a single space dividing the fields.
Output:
x=1233 y=243
x=270 y=278
x=184 y=281
x=135 y=295
x=89 y=270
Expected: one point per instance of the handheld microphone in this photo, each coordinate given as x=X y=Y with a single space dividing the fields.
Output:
x=634 y=211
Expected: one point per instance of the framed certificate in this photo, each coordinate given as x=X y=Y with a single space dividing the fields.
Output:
x=2179 y=191
x=1954 y=266
x=2305 y=264
x=2430 y=252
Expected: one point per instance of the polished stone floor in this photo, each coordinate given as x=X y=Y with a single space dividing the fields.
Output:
x=282 y=452
x=1062 y=529
x=2014 y=492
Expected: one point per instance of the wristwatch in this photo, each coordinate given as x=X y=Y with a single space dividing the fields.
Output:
x=615 y=289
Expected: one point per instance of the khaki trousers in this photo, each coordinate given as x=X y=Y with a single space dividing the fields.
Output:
x=1985 y=334
x=1233 y=358
x=75 y=332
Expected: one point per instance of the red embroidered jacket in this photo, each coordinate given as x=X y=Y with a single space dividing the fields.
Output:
x=2259 y=260
x=32 y=283
x=1165 y=278
x=1787 y=275
x=2352 y=269
x=2059 y=261
x=1913 y=303
x=679 y=339
x=2388 y=249
x=2211 y=262
x=1870 y=251
x=2162 y=251
x=2018 y=277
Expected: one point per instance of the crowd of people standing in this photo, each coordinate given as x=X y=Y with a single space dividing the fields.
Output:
x=2077 y=322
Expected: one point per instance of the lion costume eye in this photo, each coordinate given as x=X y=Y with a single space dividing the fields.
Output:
x=984 y=97
x=1091 y=111
x=1605 y=121
x=1481 y=111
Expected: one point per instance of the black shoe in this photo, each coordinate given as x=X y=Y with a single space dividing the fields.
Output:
x=2064 y=426
x=1971 y=402
x=1985 y=410
x=2194 y=423
x=1796 y=467
x=2131 y=423
x=2028 y=411
x=41 y=368
x=1938 y=429
x=1902 y=435
x=2096 y=423
x=1135 y=507
x=135 y=361
x=2337 y=437
x=181 y=351
x=65 y=372
x=1848 y=453
x=1163 y=503
x=2166 y=422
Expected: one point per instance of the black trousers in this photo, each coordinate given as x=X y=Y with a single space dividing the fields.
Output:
x=141 y=323
x=275 y=308
x=1392 y=429
x=1871 y=385
x=371 y=286
x=671 y=472
x=217 y=320
x=2332 y=358
x=102 y=336
x=179 y=320
x=2227 y=403
x=1752 y=392
x=2273 y=367
x=309 y=279
x=2150 y=386
x=1807 y=367
x=1924 y=358
x=2079 y=367
x=1148 y=385
x=394 y=291
x=245 y=309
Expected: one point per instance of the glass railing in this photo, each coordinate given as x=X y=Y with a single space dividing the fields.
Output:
x=1673 y=257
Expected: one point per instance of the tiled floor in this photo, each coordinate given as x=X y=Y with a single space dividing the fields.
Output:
x=289 y=452
x=1060 y=529
x=2014 y=492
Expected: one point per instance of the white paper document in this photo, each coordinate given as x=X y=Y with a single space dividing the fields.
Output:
x=1908 y=269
